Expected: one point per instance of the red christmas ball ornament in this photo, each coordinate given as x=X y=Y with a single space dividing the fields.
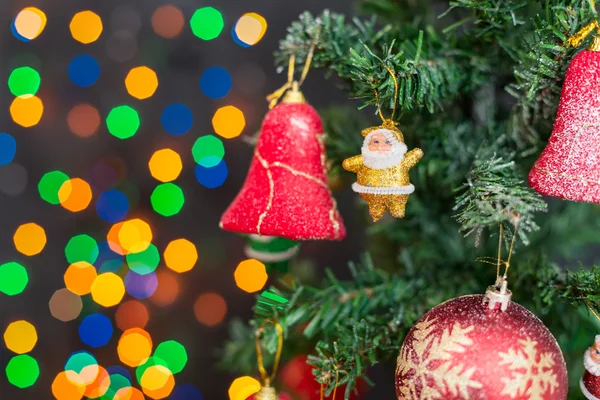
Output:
x=297 y=377
x=590 y=382
x=286 y=193
x=480 y=347
x=568 y=166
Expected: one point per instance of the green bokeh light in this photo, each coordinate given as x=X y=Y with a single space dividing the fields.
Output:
x=22 y=371
x=50 y=185
x=151 y=361
x=82 y=248
x=117 y=382
x=167 y=199
x=13 y=278
x=24 y=81
x=208 y=151
x=174 y=354
x=79 y=361
x=207 y=23
x=123 y=122
x=144 y=262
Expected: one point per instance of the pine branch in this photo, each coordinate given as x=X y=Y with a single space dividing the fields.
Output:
x=494 y=194
x=431 y=70
x=582 y=288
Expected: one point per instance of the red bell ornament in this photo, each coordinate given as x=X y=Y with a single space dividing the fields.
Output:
x=569 y=166
x=286 y=192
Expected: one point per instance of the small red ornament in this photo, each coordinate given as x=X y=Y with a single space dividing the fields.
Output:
x=297 y=377
x=590 y=383
x=463 y=349
x=568 y=166
x=286 y=193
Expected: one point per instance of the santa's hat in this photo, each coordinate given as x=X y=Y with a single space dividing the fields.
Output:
x=387 y=127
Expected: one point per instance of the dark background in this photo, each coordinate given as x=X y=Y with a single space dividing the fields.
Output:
x=50 y=145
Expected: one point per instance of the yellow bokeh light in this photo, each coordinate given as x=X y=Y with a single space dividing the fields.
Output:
x=243 y=387
x=250 y=28
x=165 y=165
x=20 y=337
x=229 y=122
x=86 y=27
x=251 y=275
x=30 y=22
x=129 y=393
x=157 y=382
x=181 y=255
x=75 y=195
x=68 y=385
x=79 y=277
x=27 y=111
x=30 y=239
x=141 y=82
x=108 y=289
x=135 y=346
x=135 y=236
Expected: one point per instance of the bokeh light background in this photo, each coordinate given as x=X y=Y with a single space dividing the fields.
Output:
x=122 y=142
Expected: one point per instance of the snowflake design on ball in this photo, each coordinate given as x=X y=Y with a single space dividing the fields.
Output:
x=530 y=376
x=430 y=359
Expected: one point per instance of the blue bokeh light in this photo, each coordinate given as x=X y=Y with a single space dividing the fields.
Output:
x=95 y=330
x=108 y=260
x=112 y=206
x=16 y=34
x=236 y=39
x=215 y=82
x=84 y=70
x=8 y=148
x=185 y=392
x=212 y=177
x=177 y=119
x=119 y=370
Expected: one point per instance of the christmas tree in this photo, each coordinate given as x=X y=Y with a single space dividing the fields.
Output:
x=476 y=84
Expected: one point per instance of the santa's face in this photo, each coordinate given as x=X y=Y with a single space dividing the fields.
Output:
x=379 y=143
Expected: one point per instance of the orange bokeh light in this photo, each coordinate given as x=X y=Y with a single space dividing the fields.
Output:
x=75 y=195
x=83 y=120
x=86 y=27
x=129 y=393
x=27 y=111
x=167 y=290
x=165 y=165
x=99 y=386
x=251 y=275
x=141 y=82
x=157 y=382
x=210 y=309
x=135 y=346
x=68 y=385
x=131 y=314
x=180 y=255
x=168 y=21
x=131 y=236
x=229 y=122
x=79 y=277
x=30 y=239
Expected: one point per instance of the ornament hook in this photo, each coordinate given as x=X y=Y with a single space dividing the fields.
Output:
x=337 y=380
x=266 y=378
x=291 y=88
x=390 y=120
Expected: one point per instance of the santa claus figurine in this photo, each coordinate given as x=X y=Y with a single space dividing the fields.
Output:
x=590 y=383
x=382 y=170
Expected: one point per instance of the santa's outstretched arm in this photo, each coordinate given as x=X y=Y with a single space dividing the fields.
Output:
x=412 y=157
x=352 y=164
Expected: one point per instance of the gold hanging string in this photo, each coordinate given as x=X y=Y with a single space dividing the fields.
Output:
x=266 y=378
x=499 y=252
x=396 y=92
x=498 y=261
x=587 y=303
x=577 y=38
x=274 y=97
x=512 y=247
x=337 y=379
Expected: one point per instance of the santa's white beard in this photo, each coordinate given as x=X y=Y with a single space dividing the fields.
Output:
x=377 y=160
x=590 y=365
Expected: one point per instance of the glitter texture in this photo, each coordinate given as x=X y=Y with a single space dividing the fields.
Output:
x=384 y=189
x=568 y=166
x=590 y=386
x=463 y=350
x=286 y=193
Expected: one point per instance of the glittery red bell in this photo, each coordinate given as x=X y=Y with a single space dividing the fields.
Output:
x=463 y=349
x=286 y=192
x=569 y=167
